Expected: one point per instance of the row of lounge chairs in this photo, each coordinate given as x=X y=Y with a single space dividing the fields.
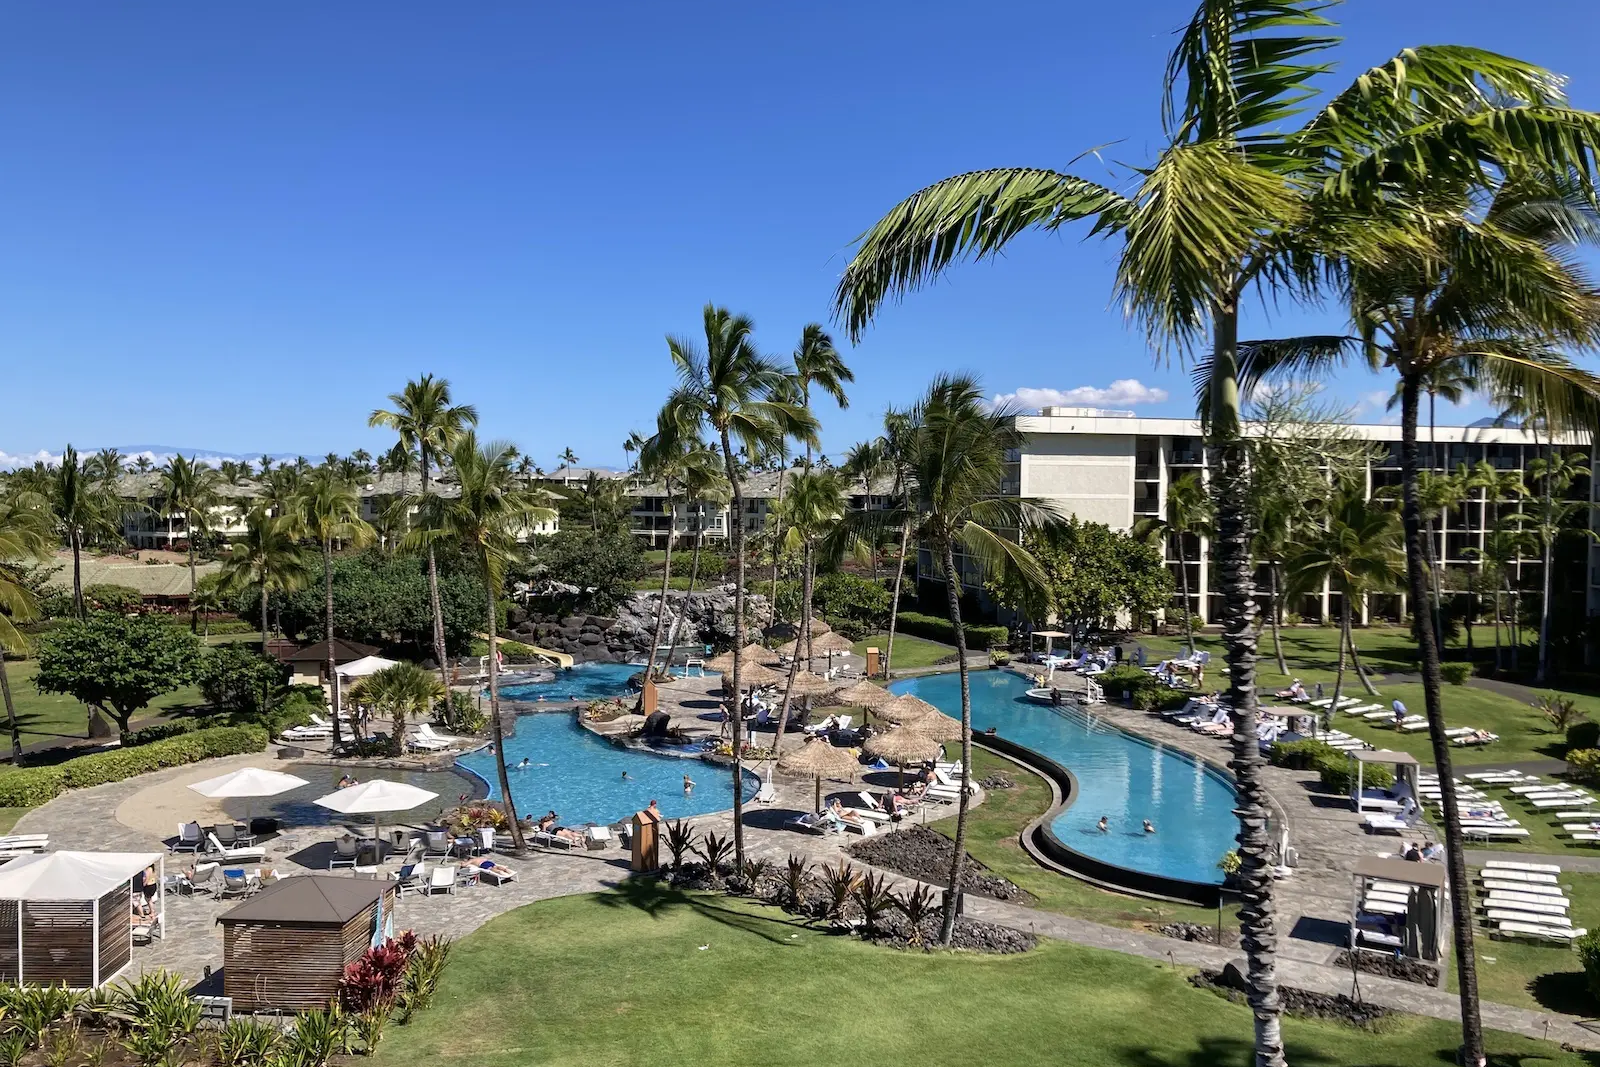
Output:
x=1482 y=819
x=873 y=815
x=1526 y=901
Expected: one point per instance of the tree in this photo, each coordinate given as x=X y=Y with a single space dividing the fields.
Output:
x=406 y=691
x=190 y=488
x=117 y=663
x=1502 y=547
x=382 y=599
x=603 y=565
x=24 y=535
x=488 y=517
x=268 y=557
x=86 y=511
x=726 y=387
x=237 y=679
x=1548 y=516
x=327 y=509
x=673 y=464
x=427 y=423
x=1357 y=552
x=889 y=455
x=568 y=460
x=703 y=486
x=1188 y=513
x=1092 y=573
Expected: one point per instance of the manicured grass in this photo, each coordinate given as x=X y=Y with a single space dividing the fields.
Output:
x=1543 y=977
x=909 y=652
x=646 y=975
x=51 y=717
x=9 y=817
x=993 y=830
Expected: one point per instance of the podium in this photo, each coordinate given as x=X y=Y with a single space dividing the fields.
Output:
x=874 y=661
x=646 y=840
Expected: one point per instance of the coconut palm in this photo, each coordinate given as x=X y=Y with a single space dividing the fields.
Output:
x=703 y=485
x=86 y=511
x=725 y=391
x=568 y=460
x=25 y=534
x=427 y=421
x=672 y=463
x=192 y=489
x=267 y=557
x=406 y=691
x=106 y=465
x=327 y=510
x=1547 y=517
x=1188 y=514
x=1358 y=551
x=488 y=520
x=817 y=362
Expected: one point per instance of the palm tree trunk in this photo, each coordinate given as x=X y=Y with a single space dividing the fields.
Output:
x=327 y=590
x=948 y=926
x=661 y=611
x=1344 y=643
x=694 y=574
x=11 y=714
x=1361 y=670
x=1277 y=615
x=731 y=686
x=777 y=540
x=496 y=730
x=794 y=661
x=1542 y=670
x=77 y=574
x=1188 y=610
x=433 y=587
x=194 y=615
x=1498 y=664
x=1422 y=621
x=1257 y=932
x=263 y=614
x=894 y=600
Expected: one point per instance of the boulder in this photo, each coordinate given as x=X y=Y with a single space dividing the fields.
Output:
x=1235 y=975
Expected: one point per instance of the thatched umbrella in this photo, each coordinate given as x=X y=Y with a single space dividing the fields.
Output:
x=806 y=684
x=940 y=727
x=864 y=694
x=822 y=760
x=906 y=709
x=832 y=642
x=789 y=629
x=756 y=675
x=901 y=746
x=751 y=653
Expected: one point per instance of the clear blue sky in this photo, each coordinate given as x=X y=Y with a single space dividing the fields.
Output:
x=237 y=227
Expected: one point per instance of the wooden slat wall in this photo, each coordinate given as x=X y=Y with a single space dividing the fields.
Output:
x=291 y=966
x=8 y=941
x=116 y=931
x=58 y=942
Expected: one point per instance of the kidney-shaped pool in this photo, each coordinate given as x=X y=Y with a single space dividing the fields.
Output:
x=1124 y=778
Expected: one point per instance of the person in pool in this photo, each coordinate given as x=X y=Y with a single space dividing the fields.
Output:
x=1149 y=827
x=1104 y=825
x=624 y=776
x=346 y=781
x=688 y=785
x=525 y=764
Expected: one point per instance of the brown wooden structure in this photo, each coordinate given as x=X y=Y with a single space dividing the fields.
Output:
x=646 y=840
x=287 y=947
x=66 y=917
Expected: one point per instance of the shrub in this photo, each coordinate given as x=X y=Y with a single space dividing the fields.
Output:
x=849 y=598
x=1588 y=949
x=160 y=732
x=1456 y=673
x=239 y=679
x=28 y=787
x=1338 y=773
x=1583 y=735
x=1230 y=863
x=373 y=981
x=1584 y=763
x=1562 y=713
x=936 y=629
x=1299 y=755
x=107 y=596
x=1143 y=691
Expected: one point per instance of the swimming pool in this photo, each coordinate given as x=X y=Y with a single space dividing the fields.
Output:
x=585 y=681
x=1122 y=777
x=579 y=775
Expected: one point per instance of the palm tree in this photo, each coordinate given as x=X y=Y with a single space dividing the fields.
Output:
x=726 y=387
x=1502 y=547
x=957 y=460
x=703 y=485
x=328 y=510
x=25 y=533
x=268 y=557
x=487 y=519
x=672 y=463
x=406 y=691
x=817 y=362
x=143 y=463
x=568 y=460
x=427 y=423
x=86 y=511
x=1235 y=202
x=106 y=464
x=192 y=489
x=1356 y=553
x=1551 y=515
x=1188 y=513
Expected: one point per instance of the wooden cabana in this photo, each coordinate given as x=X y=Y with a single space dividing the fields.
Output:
x=286 y=947
x=1404 y=764
x=1399 y=906
x=67 y=917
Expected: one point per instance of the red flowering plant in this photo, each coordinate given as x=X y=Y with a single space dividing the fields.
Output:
x=373 y=981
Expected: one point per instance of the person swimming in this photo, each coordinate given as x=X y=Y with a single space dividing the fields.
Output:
x=624 y=776
x=1149 y=827
x=1104 y=825
x=688 y=785
x=346 y=782
x=525 y=764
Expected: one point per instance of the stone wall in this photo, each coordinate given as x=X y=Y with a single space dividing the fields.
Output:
x=708 y=620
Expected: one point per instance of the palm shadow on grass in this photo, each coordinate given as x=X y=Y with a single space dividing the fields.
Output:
x=655 y=898
x=1563 y=991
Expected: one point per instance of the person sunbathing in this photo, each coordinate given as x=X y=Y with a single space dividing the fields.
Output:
x=492 y=867
x=1297 y=691
x=840 y=812
x=547 y=822
x=895 y=804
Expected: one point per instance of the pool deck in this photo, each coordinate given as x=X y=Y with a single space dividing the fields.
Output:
x=1312 y=904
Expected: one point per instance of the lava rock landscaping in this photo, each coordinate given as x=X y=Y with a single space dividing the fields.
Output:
x=920 y=853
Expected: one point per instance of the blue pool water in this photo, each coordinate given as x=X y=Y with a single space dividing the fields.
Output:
x=1120 y=776
x=579 y=776
x=586 y=681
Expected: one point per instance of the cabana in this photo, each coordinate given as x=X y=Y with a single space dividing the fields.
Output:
x=1398 y=906
x=286 y=947
x=67 y=917
x=1050 y=638
x=1405 y=770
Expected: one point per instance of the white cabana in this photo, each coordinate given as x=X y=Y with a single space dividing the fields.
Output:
x=247 y=782
x=360 y=668
x=374 y=798
x=67 y=917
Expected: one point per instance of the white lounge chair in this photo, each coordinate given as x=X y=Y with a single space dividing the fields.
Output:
x=816 y=822
x=1532 y=889
x=1530 y=877
x=1512 y=895
x=1517 y=915
x=1540 y=931
x=1498 y=903
x=442 y=879
x=242 y=853
x=496 y=874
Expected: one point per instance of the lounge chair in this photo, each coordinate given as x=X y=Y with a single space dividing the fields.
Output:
x=1539 y=931
x=1477 y=737
x=596 y=838
x=236 y=883
x=817 y=822
x=204 y=879
x=306 y=733
x=190 y=838
x=496 y=873
x=438 y=843
x=1498 y=908
x=550 y=839
x=410 y=879
x=767 y=793
x=1532 y=889
x=235 y=855
x=442 y=878
x=1513 y=896
x=146 y=930
x=485 y=840
x=1384 y=822
x=345 y=850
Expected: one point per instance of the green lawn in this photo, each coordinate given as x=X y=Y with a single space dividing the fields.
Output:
x=49 y=717
x=1542 y=977
x=646 y=975
x=909 y=652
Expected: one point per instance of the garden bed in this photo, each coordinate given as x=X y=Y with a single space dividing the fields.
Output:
x=920 y=853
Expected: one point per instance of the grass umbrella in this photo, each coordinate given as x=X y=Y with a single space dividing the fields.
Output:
x=821 y=760
x=901 y=746
x=806 y=684
x=940 y=727
x=751 y=653
x=906 y=708
x=864 y=694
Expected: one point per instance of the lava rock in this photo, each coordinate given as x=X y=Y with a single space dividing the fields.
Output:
x=1200 y=932
x=1400 y=968
x=1304 y=1003
x=920 y=853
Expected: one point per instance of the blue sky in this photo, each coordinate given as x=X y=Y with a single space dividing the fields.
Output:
x=237 y=228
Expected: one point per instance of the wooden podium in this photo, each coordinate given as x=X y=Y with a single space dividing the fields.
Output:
x=874 y=661
x=646 y=840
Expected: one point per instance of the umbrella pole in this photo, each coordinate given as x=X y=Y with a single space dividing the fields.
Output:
x=819 y=793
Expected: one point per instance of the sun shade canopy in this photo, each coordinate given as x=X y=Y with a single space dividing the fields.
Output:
x=63 y=876
x=1407 y=872
x=364 y=666
x=247 y=782
x=378 y=795
x=1384 y=755
x=309 y=898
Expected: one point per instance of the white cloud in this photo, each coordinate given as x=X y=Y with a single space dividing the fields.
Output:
x=1122 y=393
x=11 y=461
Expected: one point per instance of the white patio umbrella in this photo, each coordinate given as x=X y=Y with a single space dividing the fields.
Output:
x=366 y=665
x=374 y=798
x=248 y=782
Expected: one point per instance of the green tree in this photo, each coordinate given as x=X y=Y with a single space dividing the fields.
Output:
x=1357 y=552
x=191 y=489
x=238 y=679
x=268 y=557
x=1092 y=572
x=427 y=421
x=487 y=519
x=673 y=464
x=604 y=565
x=382 y=599
x=704 y=487
x=86 y=512
x=726 y=392
x=406 y=692
x=889 y=455
x=117 y=663
x=327 y=510
x=1188 y=513
x=1547 y=516
x=25 y=534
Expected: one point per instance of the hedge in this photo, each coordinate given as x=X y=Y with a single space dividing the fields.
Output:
x=1455 y=672
x=1338 y=773
x=1588 y=949
x=1584 y=764
x=27 y=787
x=1583 y=735
x=160 y=732
x=936 y=629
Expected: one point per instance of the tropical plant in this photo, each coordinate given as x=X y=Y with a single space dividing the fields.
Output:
x=794 y=881
x=714 y=849
x=1188 y=513
x=327 y=510
x=267 y=556
x=87 y=511
x=917 y=906
x=1561 y=712
x=318 y=1036
x=489 y=516
x=874 y=900
x=246 y=1043
x=1550 y=514
x=405 y=691
x=427 y=423
x=191 y=489
x=24 y=535
x=704 y=486
x=429 y=956
x=838 y=883
x=679 y=840
x=725 y=391
x=672 y=463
